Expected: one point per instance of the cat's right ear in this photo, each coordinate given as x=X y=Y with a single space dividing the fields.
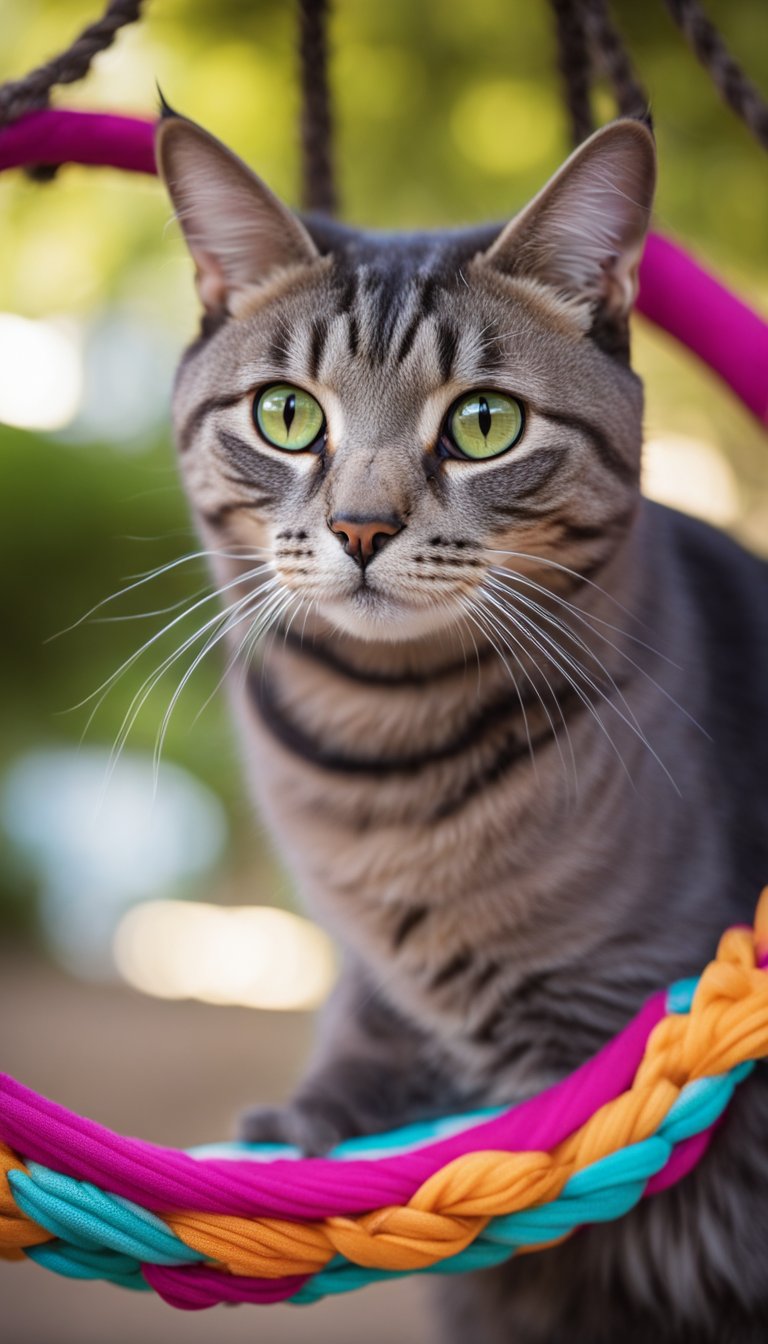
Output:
x=238 y=232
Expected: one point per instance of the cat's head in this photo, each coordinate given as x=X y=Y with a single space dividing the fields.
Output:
x=390 y=416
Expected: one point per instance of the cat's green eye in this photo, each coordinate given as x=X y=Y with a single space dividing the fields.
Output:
x=288 y=417
x=485 y=424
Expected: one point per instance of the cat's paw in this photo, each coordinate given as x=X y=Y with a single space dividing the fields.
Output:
x=304 y=1128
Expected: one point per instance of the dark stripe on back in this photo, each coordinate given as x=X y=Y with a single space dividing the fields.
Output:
x=485 y=976
x=347 y=290
x=513 y=1053
x=457 y=965
x=409 y=922
x=429 y=288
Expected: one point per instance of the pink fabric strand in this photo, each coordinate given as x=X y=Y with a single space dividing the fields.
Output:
x=195 y=1287
x=164 y=1178
x=94 y=138
x=681 y=297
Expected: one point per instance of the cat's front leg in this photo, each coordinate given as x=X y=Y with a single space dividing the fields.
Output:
x=371 y=1071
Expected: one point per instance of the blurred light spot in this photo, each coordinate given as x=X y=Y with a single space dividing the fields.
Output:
x=98 y=847
x=41 y=375
x=506 y=126
x=128 y=370
x=692 y=475
x=254 y=956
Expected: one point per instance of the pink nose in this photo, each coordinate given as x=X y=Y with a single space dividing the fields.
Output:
x=362 y=537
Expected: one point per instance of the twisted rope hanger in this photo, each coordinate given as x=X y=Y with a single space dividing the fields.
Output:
x=589 y=42
x=252 y=1224
x=319 y=192
x=33 y=91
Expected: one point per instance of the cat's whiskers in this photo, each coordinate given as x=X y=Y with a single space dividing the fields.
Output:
x=562 y=660
x=248 y=642
x=138 y=580
x=268 y=607
x=512 y=575
x=139 y=699
x=308 y=610
x=242 y=612
x=110 y=681
x=531 y=605
x=505 y=634
x=564 y=569
x=531 y=632
x=578 y=668
x=586 y=617
x=476 y=616
x=147 y=615
x=464 y=623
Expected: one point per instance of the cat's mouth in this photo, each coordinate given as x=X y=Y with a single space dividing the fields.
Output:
x=372 y=612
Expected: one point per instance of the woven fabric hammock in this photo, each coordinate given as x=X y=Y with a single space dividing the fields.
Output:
x=238 y=1223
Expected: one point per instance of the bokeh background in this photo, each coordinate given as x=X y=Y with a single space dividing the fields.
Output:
x=142 y=980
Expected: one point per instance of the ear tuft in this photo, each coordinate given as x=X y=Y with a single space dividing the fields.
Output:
x=165 y=107
x=583 y=234
x=238 y=232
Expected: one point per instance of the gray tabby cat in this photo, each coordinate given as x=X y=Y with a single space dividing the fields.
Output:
x=511 y=736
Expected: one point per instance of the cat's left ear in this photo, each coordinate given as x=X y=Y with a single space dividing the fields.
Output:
x=583 y=233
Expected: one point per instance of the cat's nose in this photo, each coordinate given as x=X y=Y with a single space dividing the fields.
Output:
x=362 y=537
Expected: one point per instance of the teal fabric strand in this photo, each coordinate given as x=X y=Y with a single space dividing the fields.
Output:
x=75 y=1263
x=84 y=1216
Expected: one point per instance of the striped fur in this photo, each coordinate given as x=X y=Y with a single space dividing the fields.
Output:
x=517 y=765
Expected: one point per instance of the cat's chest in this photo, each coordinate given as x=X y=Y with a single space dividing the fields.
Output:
x=422 y=835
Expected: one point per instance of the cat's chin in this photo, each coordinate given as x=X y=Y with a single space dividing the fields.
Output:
x=376 y=617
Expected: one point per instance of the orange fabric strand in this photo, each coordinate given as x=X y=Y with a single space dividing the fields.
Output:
x=261 y=1247
x=16 y=1229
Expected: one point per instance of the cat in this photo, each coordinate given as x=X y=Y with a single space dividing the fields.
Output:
x=509 y=728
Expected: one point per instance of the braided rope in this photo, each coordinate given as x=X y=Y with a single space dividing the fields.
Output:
x=318 y=185
x=727 y=75
x=631 y=98
x=32 y=91
x=470 y=1212
x=574 y=66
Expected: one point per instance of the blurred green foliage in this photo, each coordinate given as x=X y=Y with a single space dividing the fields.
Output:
x=447 y=113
